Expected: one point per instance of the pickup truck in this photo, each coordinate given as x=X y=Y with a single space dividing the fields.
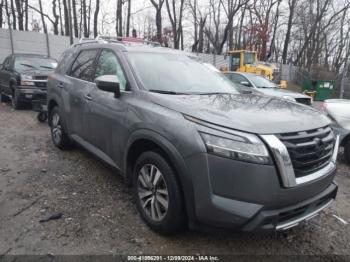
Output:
x=23 y=78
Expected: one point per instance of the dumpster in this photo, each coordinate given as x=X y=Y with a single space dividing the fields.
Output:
x=324 y=88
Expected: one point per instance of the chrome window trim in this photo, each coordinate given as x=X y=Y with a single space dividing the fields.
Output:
x=285 y=167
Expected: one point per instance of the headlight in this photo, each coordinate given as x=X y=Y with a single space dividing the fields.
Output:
x=247 y=147
x=289 y=98
x=27 y=80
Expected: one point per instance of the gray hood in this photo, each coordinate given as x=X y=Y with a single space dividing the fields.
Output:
x=251 y=113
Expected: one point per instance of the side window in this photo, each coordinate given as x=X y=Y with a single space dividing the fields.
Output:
x=237 y=78
x=84 y=65
x=108 y=64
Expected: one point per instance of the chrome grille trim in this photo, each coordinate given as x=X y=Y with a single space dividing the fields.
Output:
x=285 y=166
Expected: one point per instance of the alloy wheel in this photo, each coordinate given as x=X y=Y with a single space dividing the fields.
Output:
x=56 y=128
x=153 y=192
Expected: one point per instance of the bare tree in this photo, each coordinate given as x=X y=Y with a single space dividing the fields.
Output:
x=2 y=5
x=291 y=4
x=97 y=10
x=175 y=13
x=128 y=18
x=56 y=17
x=158 y=5
x=119 y=18
x=75 y=19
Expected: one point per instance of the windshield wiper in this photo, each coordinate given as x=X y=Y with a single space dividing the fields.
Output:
x=28 y=65
x=216 y=93
x=48 y=67
x=167 y=92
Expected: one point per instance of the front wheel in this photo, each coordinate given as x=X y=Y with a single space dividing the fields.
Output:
x=347 y=151
x=158 y=195
x=58 y=133
x=16 y=102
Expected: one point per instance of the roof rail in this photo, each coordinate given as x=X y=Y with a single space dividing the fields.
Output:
x=126 y=40
x=114 y=39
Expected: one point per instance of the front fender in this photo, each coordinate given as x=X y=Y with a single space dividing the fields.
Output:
x=176 y=159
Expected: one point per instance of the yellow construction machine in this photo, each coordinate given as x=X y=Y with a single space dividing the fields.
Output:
x=247 y=61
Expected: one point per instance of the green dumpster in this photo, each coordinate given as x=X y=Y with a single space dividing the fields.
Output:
x=324 y=88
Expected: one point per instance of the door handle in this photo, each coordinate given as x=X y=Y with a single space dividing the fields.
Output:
x=88 y=97
x=60 y=85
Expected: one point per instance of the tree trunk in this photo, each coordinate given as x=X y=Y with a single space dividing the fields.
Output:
x=14 y=19
x=119 y=18
x=97 y=9
x=128 y=18
x=19 y=8
x=55 y=17
x=75 y=19
x=66 y=17
x=42 y=17
x=60 y=14
x=289 y=30
x=202 y=22
x=26 y=23
x=83 y=10
x=1 y=13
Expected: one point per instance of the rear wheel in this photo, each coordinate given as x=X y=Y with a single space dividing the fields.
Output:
x=41 y=116
x=58 y=133
x=158 y=195
x=347 y=151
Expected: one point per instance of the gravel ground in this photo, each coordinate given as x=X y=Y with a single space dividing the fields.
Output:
x=99 y=216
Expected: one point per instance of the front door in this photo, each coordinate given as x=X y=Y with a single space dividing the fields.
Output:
x=106 y=114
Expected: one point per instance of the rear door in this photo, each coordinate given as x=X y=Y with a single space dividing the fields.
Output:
x=75 y=90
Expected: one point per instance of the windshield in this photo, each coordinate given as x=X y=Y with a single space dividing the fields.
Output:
x=262 y=82
x=178 y=74
x=34 y=63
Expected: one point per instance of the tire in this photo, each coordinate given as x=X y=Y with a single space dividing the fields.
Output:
x=42 y=117
x=16 y=103
x=163 y=195
x=59 y=135
x=347 y=151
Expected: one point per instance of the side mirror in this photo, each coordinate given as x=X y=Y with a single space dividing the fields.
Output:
x=245 y=83
x=108 y=83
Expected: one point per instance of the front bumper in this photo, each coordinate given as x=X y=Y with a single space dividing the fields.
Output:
x=28 y=94
x=237 y=195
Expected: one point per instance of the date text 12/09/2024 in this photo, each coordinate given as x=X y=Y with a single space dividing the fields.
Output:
x=173 y=258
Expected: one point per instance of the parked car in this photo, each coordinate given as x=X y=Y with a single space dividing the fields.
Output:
x=195 y=150
x=23 y=78
x=338 y=110
x=265 y=86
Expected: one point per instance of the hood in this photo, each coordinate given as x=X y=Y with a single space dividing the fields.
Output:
x=250 y=113
x=281 y=92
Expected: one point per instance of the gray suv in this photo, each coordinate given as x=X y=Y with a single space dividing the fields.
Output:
x=196 y=151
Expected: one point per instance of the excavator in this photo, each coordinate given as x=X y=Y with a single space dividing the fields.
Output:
x=247 y=61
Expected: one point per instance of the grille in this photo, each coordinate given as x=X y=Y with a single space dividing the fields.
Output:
x=305 y=101
x=41 y=84
x=40 y=77
x=309 y=150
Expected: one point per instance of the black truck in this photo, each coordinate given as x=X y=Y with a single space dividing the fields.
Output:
x=23 y=78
